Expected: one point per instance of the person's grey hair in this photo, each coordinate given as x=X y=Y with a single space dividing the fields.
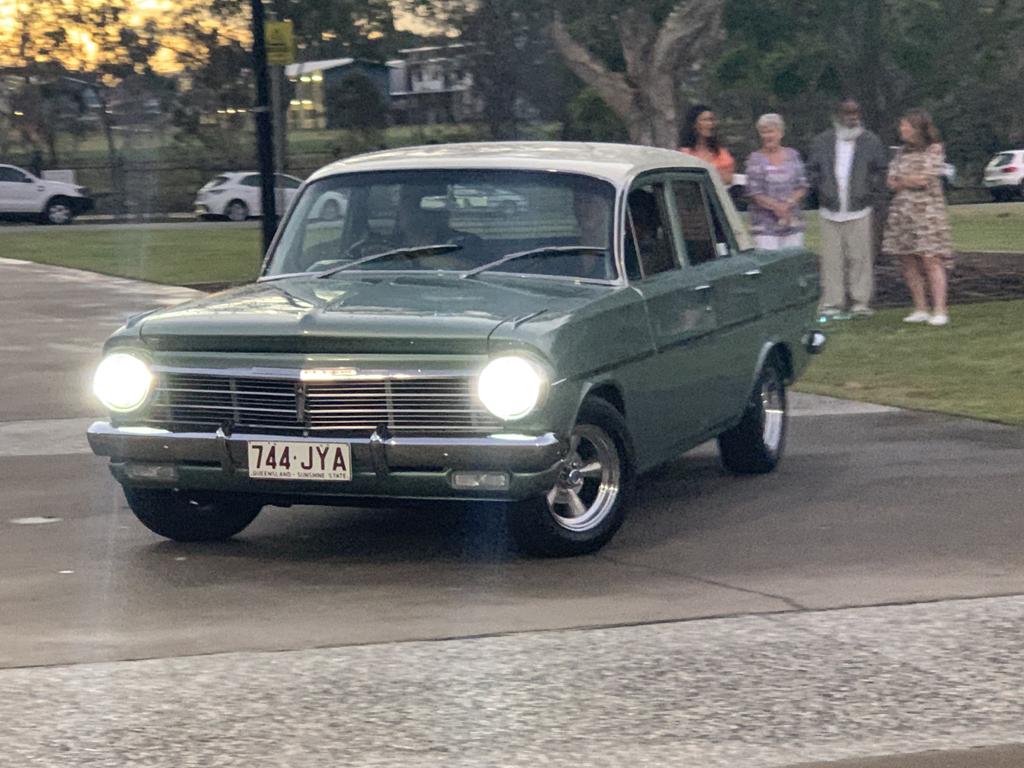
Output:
x=771 y=120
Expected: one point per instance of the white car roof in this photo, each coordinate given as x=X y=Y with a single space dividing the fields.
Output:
x=616 y=163
x=240 y=174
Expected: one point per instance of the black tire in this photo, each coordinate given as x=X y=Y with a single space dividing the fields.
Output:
x=59 y=211
x=999 y=195
x=541 y=527
x=182 y=516
x=755 y=445
x=236 y=210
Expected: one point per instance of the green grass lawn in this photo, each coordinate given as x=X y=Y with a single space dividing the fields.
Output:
x=989 y=227
x=979 y=227
x=973 y=367
x=178 y=256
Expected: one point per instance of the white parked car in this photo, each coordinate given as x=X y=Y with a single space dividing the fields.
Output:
x=500 y=201
x=25 y=196
x=236 y=195
x=1004 y=175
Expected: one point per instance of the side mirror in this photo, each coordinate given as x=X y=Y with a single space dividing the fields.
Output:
x=28 y=180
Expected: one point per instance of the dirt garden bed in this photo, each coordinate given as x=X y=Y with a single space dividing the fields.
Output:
x=976 y=277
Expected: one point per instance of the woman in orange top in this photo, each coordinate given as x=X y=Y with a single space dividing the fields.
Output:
x=699 y=137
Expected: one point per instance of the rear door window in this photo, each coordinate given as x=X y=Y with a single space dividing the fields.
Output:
x=706 y=234
x=694 y=221
x=649 y=234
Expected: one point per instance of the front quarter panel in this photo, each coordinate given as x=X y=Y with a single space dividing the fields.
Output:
x=602 y=344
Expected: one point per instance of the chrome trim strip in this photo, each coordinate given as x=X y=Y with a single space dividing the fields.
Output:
x=498 y=451
x=294 y=374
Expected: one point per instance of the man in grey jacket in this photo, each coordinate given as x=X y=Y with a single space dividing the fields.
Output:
x=846 y=167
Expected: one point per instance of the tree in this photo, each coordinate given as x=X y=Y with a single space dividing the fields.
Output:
x=665 y=51
x=959 y=58
x=212 y=107
x=355 y=102
x=359 y=28
x=119 y=55
x=588 y=118
x=515 y=70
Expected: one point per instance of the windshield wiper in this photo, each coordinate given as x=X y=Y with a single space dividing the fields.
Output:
x=548 y=250
x=413 y=251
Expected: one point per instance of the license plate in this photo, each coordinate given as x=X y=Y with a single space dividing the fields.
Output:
x=299 y=461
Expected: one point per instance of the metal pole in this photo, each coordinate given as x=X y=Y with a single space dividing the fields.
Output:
x=280 y=118
x=280 y=126
x=264 y=125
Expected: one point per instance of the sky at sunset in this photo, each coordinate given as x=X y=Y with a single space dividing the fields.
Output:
x=85 y=49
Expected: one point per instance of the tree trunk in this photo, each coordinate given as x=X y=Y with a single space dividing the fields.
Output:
x=660 y=62
x=113 y=158
x=869 y=63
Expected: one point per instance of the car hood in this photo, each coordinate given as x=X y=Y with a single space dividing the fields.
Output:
x=404 y=313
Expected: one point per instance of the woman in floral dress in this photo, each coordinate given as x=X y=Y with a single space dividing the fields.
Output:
x=917 y=229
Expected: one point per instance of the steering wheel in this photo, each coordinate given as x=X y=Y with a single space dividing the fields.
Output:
x=372 y=242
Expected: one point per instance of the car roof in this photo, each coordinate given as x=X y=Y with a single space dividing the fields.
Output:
x=239 y=174
x=616 y=163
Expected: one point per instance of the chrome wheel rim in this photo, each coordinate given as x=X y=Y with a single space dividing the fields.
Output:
x=59 y=214
x=237 y=212
x=773 y=411
x=590 y=480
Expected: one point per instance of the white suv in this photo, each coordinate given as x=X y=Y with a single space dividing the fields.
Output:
x=236 y=195
x=1004 y=175
x=25 y=196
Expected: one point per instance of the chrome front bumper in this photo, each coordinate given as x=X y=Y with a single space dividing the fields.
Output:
x=383 y=467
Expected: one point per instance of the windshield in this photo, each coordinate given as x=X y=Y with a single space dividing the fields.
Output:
x=345 y=219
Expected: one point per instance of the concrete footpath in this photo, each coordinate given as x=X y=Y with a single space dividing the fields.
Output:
x=760 y=691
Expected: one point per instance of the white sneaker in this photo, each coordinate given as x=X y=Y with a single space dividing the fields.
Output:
x=920 y=316
x=939 y=320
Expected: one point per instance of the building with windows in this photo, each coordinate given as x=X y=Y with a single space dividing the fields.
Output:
x=309 y=81
x=433 y=85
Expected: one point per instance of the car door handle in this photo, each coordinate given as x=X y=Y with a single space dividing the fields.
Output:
x=752 y=273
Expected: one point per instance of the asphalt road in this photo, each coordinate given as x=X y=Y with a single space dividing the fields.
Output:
x=866 y=600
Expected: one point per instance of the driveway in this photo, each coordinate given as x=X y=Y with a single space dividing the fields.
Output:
x=863 y=600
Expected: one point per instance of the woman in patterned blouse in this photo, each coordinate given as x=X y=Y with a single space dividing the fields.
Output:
x=917 y=228
x=776 y=185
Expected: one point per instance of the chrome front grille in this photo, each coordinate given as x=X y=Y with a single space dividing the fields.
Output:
x=429 y=404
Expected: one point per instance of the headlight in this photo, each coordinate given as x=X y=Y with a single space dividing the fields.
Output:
x=510 y=387
x=122 y=382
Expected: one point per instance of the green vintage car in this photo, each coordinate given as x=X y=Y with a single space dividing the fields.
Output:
x=399 y=347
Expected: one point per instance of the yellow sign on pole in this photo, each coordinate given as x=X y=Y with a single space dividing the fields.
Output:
x=280 y=41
